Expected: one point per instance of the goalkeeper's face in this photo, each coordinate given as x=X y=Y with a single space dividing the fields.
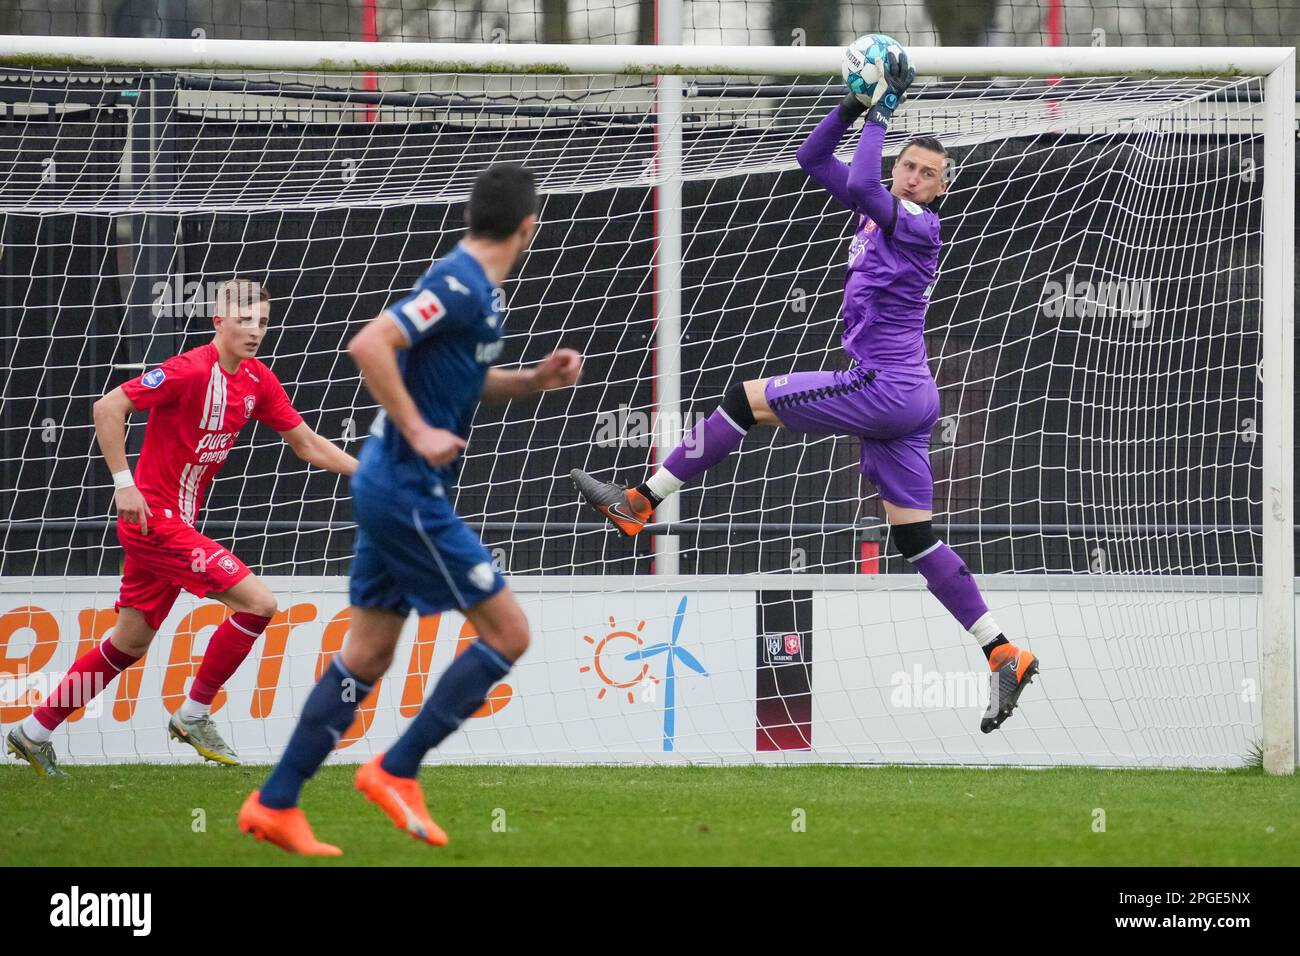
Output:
x=241 y=334
x=918 y=175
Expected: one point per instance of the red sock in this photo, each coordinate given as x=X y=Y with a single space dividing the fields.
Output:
x=226 y=651
x=85 y=680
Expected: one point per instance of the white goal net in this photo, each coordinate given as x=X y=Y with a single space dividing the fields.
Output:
x=1095 y=334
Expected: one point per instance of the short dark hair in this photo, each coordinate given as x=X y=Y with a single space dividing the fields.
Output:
x=503 y=196
x=924 y=142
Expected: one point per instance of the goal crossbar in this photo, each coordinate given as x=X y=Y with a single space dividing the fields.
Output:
x=559 y=59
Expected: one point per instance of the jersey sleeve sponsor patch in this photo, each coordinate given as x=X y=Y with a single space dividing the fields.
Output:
x=423 y=310
x=153 y=378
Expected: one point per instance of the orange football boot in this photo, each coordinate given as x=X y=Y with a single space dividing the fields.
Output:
x=402 y=799
x=626 y=507
x=1012 y=670
x=287 y=829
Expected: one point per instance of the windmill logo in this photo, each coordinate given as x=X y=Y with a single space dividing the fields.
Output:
x=673 y=653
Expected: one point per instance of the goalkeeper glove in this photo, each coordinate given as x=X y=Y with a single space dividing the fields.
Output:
x=898 y=76
x=851 y=108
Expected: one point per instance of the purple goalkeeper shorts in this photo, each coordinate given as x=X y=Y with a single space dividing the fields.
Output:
x=892 y=413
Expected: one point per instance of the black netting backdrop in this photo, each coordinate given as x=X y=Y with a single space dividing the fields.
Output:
x=1059 y=429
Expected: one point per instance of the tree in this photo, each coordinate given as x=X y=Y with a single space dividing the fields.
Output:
x=555 y=21
x=962 y=22
x=814 y=22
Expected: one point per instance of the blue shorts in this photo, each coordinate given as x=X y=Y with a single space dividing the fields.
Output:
x=414 y=551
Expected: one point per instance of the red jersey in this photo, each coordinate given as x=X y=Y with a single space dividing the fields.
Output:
x=196 y=411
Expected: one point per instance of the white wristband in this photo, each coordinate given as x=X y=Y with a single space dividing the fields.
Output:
x=123 y=479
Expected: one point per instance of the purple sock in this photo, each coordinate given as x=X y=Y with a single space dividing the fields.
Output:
x=948 y=579
x=704 y=446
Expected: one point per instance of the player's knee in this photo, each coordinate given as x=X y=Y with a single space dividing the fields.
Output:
x=735 y=402
x=914 y=539
x=514 y=640
x=254 y=597
x=133 y=644
x=368 y=660
x=264 y=606
x=510 y=638
x=374 y=663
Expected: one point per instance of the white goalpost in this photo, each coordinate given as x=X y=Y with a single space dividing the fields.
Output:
x=1112 y=334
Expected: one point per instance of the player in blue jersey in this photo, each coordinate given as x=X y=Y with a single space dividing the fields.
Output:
x=888 y=398
x=426 y=359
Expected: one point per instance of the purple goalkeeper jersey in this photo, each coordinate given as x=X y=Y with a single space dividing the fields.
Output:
x=894 y=255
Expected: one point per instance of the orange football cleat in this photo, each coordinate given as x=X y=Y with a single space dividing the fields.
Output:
x=1012 y=668
x=402 y=799
x=287 y=829
x=626 y=507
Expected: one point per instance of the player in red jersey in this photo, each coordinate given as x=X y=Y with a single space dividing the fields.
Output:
x=197 y=402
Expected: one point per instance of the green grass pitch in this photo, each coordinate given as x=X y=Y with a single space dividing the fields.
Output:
x=140 y=815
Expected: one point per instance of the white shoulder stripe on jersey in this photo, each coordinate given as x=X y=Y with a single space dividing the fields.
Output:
x=219 y=403
x=214 y=403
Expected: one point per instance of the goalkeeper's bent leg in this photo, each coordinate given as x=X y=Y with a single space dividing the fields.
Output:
x=946 y=575
x=704 y=446
x=948 y=579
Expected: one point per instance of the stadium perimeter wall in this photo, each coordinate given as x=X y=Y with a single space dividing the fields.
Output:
x=796 y=668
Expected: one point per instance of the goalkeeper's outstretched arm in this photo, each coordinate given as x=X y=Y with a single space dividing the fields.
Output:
x=817 y=154
x=858 y=185
x=868 y=193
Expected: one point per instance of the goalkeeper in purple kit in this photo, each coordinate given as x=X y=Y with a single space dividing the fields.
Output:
x=887 y=398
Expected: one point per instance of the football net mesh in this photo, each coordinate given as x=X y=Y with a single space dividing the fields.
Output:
x=1094 y=333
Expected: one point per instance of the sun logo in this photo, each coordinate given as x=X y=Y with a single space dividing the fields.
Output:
x=615 y=645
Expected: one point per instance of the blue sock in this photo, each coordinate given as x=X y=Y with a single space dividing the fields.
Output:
x=459 y=693
x=327 y=714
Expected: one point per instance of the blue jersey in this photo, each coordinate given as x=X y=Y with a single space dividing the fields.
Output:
x=453 y=328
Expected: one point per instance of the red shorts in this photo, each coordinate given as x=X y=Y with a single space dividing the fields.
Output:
x=172 y=556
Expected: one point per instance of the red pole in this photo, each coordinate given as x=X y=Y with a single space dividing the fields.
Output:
x=1055 y=29
x=370 y=34
x=869 y=558
x=1055 y=21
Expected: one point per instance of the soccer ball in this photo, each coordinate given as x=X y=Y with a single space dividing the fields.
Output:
x=868 y=83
